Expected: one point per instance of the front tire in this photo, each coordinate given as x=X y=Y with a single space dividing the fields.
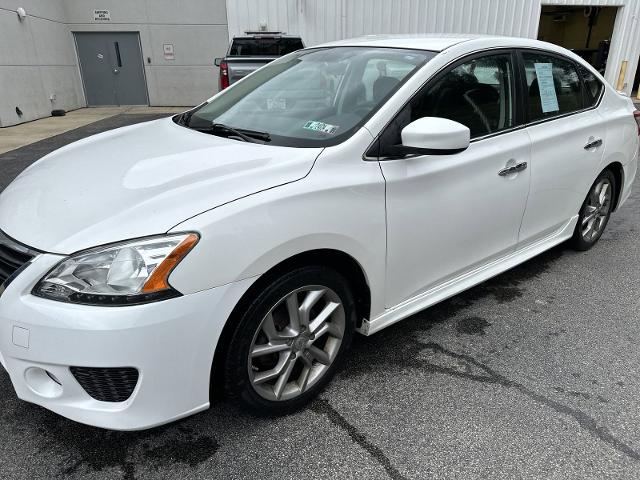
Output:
x=595 y=212
x=290 y=340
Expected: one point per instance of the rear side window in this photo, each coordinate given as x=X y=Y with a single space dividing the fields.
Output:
x=270 y=46
x=553 y=86
x=593 y=87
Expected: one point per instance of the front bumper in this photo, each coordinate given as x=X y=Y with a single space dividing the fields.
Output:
x=171 y=343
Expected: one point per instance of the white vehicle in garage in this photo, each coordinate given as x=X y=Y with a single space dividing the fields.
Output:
x=339 y=189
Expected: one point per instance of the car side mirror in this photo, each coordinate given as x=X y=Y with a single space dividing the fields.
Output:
x=434 y=136
x=217 y=62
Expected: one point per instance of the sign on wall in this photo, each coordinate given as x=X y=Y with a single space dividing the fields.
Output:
x=101 y=16
x=168 y=51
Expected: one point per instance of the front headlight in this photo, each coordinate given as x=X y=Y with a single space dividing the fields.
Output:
x=126 y=273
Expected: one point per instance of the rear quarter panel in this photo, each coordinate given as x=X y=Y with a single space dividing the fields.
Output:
x=621 y=137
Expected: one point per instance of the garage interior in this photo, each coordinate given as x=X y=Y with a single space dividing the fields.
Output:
x=586 y=31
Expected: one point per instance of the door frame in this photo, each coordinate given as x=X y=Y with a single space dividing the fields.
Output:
x=84 y=88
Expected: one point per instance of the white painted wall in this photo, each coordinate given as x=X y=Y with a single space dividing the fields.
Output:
x=38 y=57
x=327 y=20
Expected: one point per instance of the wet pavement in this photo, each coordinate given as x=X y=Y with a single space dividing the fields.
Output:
x=533 y=374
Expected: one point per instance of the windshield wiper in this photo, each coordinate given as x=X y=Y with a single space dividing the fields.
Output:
x=246 y=135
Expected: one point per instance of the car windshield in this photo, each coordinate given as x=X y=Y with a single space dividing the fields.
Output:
x=312 y=98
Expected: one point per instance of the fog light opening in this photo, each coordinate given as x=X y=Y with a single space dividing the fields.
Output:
x=42 y=382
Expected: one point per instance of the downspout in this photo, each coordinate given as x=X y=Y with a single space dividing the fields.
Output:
x=343 y=19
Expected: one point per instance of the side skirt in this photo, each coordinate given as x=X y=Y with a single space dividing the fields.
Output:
x=466 y=281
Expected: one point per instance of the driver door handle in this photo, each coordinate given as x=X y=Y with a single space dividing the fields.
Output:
x=518 y=167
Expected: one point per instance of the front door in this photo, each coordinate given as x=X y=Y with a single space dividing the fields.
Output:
x=449 y=214
x=112 y=68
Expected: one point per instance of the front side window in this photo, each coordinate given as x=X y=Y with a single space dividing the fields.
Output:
x=553 y=86
x=312 y=98
x=478 y=93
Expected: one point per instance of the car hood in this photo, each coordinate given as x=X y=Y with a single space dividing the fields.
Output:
x=136 y=181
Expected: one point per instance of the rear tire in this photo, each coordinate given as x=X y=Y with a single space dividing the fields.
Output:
x=289 y=342
x=595 y=212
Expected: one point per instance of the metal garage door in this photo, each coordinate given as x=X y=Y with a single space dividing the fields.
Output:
x=112 y=68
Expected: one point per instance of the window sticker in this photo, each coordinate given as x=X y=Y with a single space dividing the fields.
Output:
x=320 y=127
x=278 y=104
x=548 y=97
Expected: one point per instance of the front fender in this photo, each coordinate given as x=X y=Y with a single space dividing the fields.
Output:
x=339 y=210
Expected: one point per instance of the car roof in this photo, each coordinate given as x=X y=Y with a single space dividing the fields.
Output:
x=431 y=42
x=437 y=42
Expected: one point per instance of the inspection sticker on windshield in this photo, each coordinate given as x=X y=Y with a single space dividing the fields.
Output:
x=320 y=127
x=276 y=103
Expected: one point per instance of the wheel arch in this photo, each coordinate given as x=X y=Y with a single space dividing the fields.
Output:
x=618 y=172
x=338 y=260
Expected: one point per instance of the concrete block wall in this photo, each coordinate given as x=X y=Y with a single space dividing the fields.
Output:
x=37 y=61
x=38 y=57
x=197 y=29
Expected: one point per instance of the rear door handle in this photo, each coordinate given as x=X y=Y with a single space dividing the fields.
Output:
x=518 y=167
x=594 y=144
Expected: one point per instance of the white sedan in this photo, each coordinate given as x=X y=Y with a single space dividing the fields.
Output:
x=340 y=189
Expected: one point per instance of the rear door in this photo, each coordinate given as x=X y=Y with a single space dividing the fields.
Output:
x=450 y=214
x=567 y=142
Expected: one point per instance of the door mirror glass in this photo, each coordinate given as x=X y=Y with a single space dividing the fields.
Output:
x=435 y=136
x=217 y=62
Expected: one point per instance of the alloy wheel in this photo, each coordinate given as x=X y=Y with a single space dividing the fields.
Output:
x=296 y=343
x=597 y=210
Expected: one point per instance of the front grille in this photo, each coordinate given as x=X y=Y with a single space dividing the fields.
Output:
x=13 y=256
x=107 y=384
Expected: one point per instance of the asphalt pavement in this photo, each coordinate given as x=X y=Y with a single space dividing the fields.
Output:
x=533 y=374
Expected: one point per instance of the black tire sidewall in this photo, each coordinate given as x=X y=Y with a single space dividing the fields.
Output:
x=578 y=241
x=237 y=382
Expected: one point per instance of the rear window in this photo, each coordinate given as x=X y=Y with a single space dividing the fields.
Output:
x=269 y=46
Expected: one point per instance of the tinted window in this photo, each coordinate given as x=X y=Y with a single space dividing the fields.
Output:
x=477 y=94
x=271 y=46
x=593 y=86
x=553 y=86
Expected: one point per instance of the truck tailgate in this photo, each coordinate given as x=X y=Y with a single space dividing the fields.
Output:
x=240 y=67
